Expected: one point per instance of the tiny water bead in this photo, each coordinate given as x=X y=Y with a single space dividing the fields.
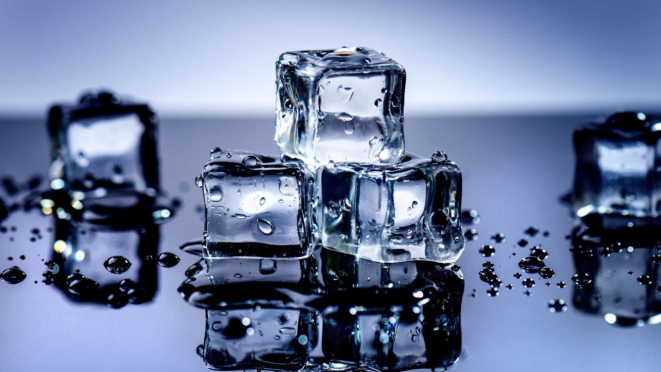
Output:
x=492 y=292
x=266 y=227
x=251 y=161
x=215 y=194
x=488 y=264
x=117 y=265
x=509 y=286
x=561 y=284
x=471 y=234
x=581 y=279
x=498 y=237
x=167 y=259
x=487 y=251
x=199 y=181
x=216 y=152
x=528 y=283
x=546 y=273
x=522 y=243
x=557 y=306
x=644 y=280
x=527 y=293
x=13 y=275
x=470 y=217
x=531 y=231
x=440 y=156
x=517 y=275
x=531 y=265
x=538 y=252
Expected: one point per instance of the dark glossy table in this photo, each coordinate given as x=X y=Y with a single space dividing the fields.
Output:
x=515 y=169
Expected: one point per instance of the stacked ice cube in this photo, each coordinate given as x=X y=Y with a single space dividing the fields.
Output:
x=344 y=181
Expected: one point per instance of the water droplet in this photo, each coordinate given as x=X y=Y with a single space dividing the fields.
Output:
x=262 y=201
x=439 y=156
x=349 y=127
x=471 y=234
x=266 y=227
x=13 y=275
x=557 y=306
x=216 y=152
x=302 y=339
x=527 y=293
x=517 y=275
x=531 y=231
x=199 y=181
x=287 y=331
x=167 y=259
x=117 y=264
x=546 y=273
x=238 y=276
x=267 y=267
x=200 y=350
x=492 y=292
x=522 y=243
x=528 y=283
x=656 y=258
x=344 y=117
x=531 y=265
x=487 y=251
x=581 y=279
x=52 y=267
x=498 y=238
x=561 y=284
x=251 y=161
x=539 y=253
x=215 y=194
x=79 y=285
x=644 y=280
x=283 y=318
x=378 y=102
x=470 y=217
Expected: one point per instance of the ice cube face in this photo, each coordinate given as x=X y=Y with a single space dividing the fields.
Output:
x=409 y=211
x=618 y=168
x=343 y=105
x=255 y=207
x=104 y=147
x=622 y=299
x=271 y=339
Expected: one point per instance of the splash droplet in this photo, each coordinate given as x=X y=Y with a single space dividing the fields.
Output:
x=117 y=264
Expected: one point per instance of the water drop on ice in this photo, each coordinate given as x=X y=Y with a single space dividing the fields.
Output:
x=262 y=201
x=378 y=102
x=216 y=152
x=199 y=181
x=344 y=117
x=251 y=161
x=266 y=227
x=439 y=156
x=215 y=194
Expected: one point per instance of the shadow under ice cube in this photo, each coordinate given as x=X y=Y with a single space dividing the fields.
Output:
x=409 y=211
x=255 y=207
x=618 y=170
x=343 y=105
x=104 y=146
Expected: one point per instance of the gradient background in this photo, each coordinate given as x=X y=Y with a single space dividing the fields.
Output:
x=217 y=57
x=499 y=85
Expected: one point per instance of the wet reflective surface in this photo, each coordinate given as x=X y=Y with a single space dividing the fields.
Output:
x=514 y=170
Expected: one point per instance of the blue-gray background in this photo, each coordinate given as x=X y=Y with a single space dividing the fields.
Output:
x=215 y=59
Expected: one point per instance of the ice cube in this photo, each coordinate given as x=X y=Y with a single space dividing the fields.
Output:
x=255 y=207
x=104 y=147
x=86 y=247
x=340 y=105
x=618 y=165
x=617 y=274
x=256 y=339
x=406 y=317
x=408 y=211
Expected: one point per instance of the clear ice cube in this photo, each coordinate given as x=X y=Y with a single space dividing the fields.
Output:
x=409 y=211
x=104 y=147
x=255 y=207
x=618 y=168
x=343 y=105
x=618 y=274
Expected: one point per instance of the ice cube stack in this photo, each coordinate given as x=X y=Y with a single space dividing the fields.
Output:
x=344 y=181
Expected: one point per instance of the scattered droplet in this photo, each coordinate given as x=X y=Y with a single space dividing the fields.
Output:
x=517 y=275
x=528 y=283
x=531 y=265
x=538 y=252
x=344 y=117
x=378 y=102
x=216 y=152
x=557 y=306
x=251 y=161
x=13 y=275
x=262 y=201
x=644 y=280
x=199 y=181
x=167 y=259
x=492 y=292
x=200 y=350
x=527 y=292
x=546 y=273
x=487 y=251
x=498 y=238
x=117 y=265
x=531 y=231
x=561 y=284
x=581 y=279
x=522 y=243
x=349 y=127
x=266 y=227
x=471 y=234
